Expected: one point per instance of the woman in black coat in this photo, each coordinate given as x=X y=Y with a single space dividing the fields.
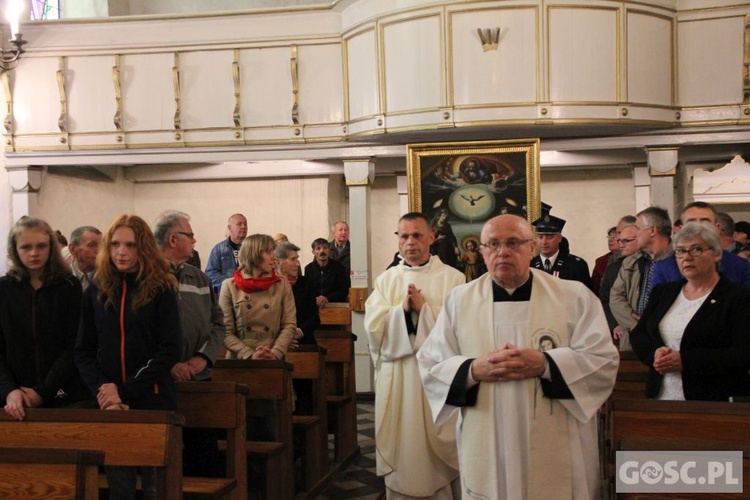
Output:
x=40 y=303
x=694 y=333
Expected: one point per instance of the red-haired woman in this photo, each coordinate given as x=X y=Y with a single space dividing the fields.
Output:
x=129 y=335
x=40 y=305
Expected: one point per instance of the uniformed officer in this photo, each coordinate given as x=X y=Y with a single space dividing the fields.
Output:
x=552 y=258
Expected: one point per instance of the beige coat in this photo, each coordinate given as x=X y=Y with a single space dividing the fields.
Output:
x=260 y=318
x=623 y=298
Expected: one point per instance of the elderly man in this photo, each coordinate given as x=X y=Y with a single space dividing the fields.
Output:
x=631 y=289
x=84 y=246
x=329 y=279
x=416 y=457
x=556 y=260
x=222 y=261
x=528 y=360
x=340 y=246
x=200 y=315
x=202 y=329
x=308 y=318
x=733 y=267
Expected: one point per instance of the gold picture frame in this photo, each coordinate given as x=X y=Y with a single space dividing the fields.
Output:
x=463 y=184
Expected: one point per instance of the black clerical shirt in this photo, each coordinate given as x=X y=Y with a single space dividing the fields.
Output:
x=555 y=388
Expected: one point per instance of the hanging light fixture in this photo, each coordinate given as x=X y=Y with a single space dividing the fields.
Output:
x=9 y=57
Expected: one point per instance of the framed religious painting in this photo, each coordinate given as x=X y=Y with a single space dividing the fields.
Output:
x=460 y=185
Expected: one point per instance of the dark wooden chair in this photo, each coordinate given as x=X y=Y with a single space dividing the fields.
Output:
x=217 y=405
x=312 y=430
x=50 y=473
x=128 y=438
x=269 y=383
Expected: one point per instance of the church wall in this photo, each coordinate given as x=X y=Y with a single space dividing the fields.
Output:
x=69 y=201
x=338 y=203
x=591 y=201
x=6 y=212
x=385 y=211
x=295 y=206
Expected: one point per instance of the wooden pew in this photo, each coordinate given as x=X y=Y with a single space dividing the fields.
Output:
x=269 y=382
x=217 y=405
x=342 y=396
x=49 y=473
x=128 y=438
x=309 y=364
x=337 y=315
x=682 y=425
x=631 y=378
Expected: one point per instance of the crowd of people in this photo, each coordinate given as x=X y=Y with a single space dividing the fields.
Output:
x=483 y=382
x=123 y=315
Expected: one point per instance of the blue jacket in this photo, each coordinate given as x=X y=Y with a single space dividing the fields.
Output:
x=221 y=264
x=735 y=268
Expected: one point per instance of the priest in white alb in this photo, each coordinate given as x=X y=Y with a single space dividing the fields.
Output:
x=527 y=360
x=417 y=458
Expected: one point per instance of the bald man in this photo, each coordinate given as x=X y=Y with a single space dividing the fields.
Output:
x=527 y=359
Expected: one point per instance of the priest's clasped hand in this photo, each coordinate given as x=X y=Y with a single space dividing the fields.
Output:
x=414 y=299
x=508 y=363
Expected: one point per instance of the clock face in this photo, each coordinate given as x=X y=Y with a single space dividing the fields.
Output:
x=474 y=202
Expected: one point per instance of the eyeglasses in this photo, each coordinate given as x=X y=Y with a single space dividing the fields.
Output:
x=694 y=251
x=612 y=236
x=511 y=244
x=189 y=235
x=623 y=241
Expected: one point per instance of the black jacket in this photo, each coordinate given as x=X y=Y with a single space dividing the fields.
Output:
x=308 y=317
x=331 y=281
x=568 y=267
x=151 y=336
x=715 y=347
x=37 y=334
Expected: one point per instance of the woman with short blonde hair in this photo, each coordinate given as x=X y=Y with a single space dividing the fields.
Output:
x=258 y=305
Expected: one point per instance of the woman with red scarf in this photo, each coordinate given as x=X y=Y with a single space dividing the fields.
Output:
x=258 y=305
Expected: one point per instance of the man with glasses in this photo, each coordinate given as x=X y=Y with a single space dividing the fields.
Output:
x=202 y=330
x=631 y=289
x=628 y=245
x=528 y=360
x=600 y=264
x=733 y=267
x=553 y=259
x=416 y=457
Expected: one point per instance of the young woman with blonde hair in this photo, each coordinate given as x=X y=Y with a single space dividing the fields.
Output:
x=40 y=303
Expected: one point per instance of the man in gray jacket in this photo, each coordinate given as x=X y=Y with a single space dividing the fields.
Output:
x=200 y=315
x=202 y=331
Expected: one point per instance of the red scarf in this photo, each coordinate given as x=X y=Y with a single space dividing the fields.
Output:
x=250 y=285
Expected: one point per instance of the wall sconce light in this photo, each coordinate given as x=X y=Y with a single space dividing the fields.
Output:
x=489 y=38
x=9 y=57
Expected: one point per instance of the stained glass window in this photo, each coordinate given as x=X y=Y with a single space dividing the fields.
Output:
x=45 y=9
